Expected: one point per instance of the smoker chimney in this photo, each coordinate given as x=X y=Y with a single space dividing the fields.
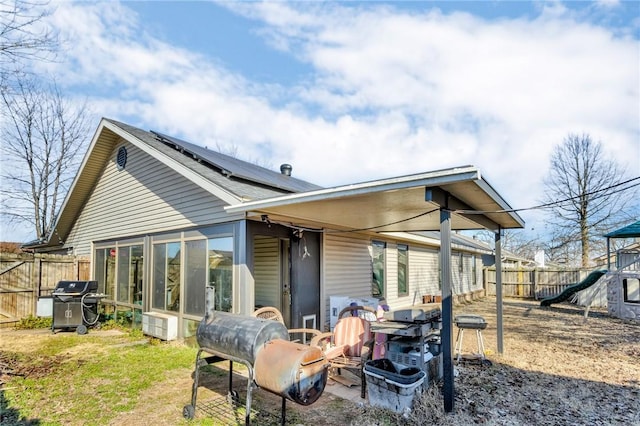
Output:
x=285 y=169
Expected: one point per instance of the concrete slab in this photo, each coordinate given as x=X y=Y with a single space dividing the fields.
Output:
x=351 y=393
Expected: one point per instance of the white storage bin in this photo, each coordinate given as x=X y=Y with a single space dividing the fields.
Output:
x=386 y=393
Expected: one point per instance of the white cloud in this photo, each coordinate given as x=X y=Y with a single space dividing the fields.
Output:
x=392 y=92
x=510 y=89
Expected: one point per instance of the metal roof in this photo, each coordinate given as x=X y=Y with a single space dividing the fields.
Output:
x=408 y=203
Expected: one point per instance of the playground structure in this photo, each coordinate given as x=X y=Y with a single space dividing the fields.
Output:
x=620 y=281
x=623 y=284
x=590 y=280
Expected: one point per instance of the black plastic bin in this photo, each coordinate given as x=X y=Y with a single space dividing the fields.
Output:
x=75 y=305
x=397 y=372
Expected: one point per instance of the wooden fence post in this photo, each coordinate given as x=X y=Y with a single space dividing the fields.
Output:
x=485 y=281
x=36 y=280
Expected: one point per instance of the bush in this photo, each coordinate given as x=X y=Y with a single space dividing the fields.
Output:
x=32 y=322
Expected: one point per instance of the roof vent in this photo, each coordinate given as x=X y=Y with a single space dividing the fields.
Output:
x=121 y=158
x=285 y=169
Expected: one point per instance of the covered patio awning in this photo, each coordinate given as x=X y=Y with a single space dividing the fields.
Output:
x=444 y=200
x=407 y=203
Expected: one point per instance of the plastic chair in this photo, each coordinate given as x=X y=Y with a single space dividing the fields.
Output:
x=269 y=312
x=303 y=335
x=350 y=345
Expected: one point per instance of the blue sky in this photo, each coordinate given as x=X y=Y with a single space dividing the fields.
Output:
x=355 y=91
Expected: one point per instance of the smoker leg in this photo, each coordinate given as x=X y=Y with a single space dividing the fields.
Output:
x=196 y=379
x=247 y=417
x=232 y=396
x=283 y=412
x=189 y=411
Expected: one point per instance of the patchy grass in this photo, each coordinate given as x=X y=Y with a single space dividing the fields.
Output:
x=71 y=379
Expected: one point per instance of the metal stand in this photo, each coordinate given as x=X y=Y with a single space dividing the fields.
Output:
x=188 y=411
x=472 y=322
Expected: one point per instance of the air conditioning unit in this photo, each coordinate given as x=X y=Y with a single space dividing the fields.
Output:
x=159 y=325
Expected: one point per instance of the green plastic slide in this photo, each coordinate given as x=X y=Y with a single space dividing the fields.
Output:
x=591 y=279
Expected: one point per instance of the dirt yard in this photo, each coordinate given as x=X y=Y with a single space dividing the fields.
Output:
x=557 y=369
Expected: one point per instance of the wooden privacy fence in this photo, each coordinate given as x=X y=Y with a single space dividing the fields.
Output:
x=532 y=283
x=26 y=277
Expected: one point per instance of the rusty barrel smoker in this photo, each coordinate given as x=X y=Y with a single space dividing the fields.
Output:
x=291 y=370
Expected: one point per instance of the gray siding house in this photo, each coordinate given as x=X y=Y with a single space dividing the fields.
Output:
x=161 y=218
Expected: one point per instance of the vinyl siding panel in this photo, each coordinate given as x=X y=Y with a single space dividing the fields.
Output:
x=146 y=197
x=466 y=279
x=391 y=267
x=456 y=274
x=266 y=271
x=346 y=269
x=476 y=273
x=424 y=273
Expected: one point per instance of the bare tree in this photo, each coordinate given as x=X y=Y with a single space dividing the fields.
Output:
x=23 y=36
x=41 y=138
x=513 y=241
x=586 y=194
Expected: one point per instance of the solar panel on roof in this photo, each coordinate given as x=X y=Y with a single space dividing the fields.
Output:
x=233 y=167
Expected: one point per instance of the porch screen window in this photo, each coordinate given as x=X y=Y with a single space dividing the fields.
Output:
x=403 y=258
x=195 y=253
x=166 y=276
x=130 y=274
x=208 y=261
x=123 y=274
x=220 y=265
x=378 y=264
x=105 y=269
x=631 y=287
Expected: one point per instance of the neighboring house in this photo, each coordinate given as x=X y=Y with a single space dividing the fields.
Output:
x=161 y=218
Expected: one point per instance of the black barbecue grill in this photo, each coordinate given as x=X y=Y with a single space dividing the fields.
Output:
x=75 y=305
x=470 y=322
